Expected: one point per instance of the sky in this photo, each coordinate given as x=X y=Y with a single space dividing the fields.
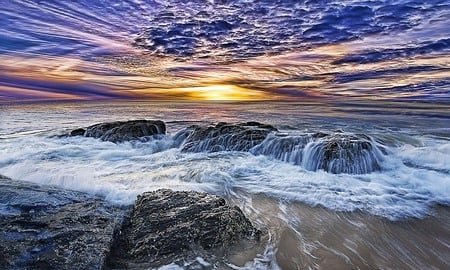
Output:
x=224 y=50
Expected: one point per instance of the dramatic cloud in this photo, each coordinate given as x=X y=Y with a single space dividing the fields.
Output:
x=231 y=50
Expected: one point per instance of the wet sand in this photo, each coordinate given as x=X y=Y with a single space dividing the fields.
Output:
x=305 y=237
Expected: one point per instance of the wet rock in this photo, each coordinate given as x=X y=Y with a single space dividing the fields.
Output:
x=123 y=131
x=319 y=135
x=51 y=228
x=226 y=137
x=78 y=132
x=335 y=153
x=343 y=153
x=283 y=147
x=165 y=223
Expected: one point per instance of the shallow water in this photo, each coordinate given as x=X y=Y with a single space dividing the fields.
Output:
x=392 y=218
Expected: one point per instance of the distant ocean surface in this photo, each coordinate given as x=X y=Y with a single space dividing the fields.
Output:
x=415 y=167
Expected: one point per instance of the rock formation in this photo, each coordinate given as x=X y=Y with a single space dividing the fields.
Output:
x=123 y=131
x=343 y=153
x=165 y=223
x=334 y=153
x=51 y=228
x=226 y=137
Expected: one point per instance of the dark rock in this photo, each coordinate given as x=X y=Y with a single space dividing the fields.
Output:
x=334 y=153
x=319 y=135
x=344 y=153
x=226 y=137
x=78 y=132
x=165 y=223
x=98 y=130
x=51 y=228
x=123 y=131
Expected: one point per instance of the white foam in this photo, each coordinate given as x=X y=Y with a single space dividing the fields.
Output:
x=396 y=193
x=172 y=266
x=433 y=155
x=119 y=172
x=413 y=177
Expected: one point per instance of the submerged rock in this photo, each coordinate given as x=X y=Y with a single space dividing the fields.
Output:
x=343 y=153
x=226 y=137
x=51 y=228
x=335 y=153
x=123 y=131
x=285 y=148
x=165 y=223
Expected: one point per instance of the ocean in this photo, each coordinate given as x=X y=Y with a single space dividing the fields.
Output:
x=395 y=217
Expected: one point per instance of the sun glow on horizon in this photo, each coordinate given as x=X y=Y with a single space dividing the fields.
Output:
x=221 y=92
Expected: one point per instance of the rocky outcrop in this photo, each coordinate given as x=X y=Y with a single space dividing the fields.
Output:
x=78 y=132
x=335 y=153
x=165 y=223
x=51 y=228
x=226 y=137
x=123 y=131
x=343 y=153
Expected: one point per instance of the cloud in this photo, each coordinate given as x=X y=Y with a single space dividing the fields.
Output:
x=20 y=88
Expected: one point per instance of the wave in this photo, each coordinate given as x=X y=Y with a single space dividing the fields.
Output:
x=411 y=180
x=334 y=153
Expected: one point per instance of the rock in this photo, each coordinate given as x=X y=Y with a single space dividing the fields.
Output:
x=226 y=137
x=283 y=147
x=123 y=131
x=165 y=223
x=347 y=153
x=343 y=153
x=335 y=153
x=51 y=228
x=78 y=132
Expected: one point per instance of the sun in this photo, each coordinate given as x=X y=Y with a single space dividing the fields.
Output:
x=222 y=92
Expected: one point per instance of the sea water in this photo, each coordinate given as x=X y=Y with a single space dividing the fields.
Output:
x=413 y=180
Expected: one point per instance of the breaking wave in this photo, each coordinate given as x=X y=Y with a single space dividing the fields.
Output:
x=341 y=171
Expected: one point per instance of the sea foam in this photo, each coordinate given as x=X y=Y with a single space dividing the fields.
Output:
x=411 y=179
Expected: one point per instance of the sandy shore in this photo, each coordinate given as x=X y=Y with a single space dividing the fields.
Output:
x=305 y=237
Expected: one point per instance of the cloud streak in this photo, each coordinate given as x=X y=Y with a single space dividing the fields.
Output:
x=232 y=50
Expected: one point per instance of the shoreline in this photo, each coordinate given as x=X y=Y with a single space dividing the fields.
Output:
x=298 y=236
x=306 y=236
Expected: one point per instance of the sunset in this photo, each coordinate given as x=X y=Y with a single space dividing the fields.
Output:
x=224 y=134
